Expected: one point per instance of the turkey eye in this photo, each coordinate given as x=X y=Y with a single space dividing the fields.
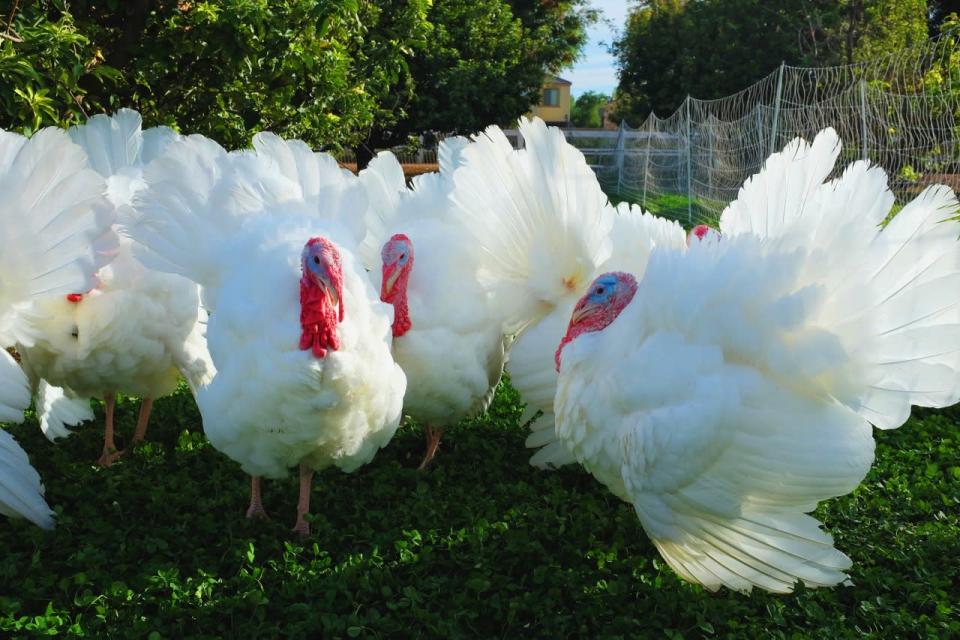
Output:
x=316 y=260
x=599 y=291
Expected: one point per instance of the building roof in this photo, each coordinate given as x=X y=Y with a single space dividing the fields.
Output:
x=558 y=80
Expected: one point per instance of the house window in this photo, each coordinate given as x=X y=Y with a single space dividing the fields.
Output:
x=551 y=97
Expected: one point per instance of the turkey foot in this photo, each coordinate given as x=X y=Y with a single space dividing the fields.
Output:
x=256 y=511
x=110 y=453
x=108 y=457
x=302 y=527
x=433 y=435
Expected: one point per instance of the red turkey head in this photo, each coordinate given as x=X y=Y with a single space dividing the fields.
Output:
x=607 y=296
x=397 y=261
x=701 y=233
x=321 y=296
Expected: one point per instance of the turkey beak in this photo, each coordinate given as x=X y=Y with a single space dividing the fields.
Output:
x=390 y=281
x=332 y=296
x=579 y=313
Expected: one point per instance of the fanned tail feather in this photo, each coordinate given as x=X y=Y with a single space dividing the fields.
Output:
x=58 y=411
x=538 y=215
x=52 y=215
x=771 y=552
x=177 y=211
x=450 y=153
x=21 y=492
x=112 y=143
x=14 y=389
x=907 y=335
x=385 y=187
x=891 y=294
x=315 y=183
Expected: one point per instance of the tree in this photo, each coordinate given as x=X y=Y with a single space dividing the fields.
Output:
x=937 y=13
x=484 y=64
x=586 y=109
x=51 y=73
x=320 y=70
x=361 y=73
x=673 y=48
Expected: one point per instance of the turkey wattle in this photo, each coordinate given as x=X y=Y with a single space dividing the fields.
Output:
x=300 y=340
x=447 y=334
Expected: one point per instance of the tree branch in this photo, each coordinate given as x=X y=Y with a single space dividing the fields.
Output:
x=13 y=14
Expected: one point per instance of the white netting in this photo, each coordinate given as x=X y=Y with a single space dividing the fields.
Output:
x=899 y=111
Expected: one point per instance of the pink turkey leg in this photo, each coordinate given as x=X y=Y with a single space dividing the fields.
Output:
x=302 y=527
x=110 y=453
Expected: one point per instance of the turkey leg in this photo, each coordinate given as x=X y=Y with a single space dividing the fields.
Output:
x=110 y=453
x=433 y=435
x=256 y=510
x=302 y=527
x=141 y=431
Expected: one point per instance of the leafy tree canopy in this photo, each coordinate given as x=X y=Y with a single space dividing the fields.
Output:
x=332 y=72
x=586 y=109
x=712 y=48
x=484 y=64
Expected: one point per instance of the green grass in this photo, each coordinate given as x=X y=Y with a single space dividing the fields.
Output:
x=482 y=546
x=677 y=206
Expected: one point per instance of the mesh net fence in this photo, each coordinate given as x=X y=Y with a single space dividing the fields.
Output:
x=899 y=111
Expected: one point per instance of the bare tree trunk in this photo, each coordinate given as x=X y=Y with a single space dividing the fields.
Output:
x=364 y=154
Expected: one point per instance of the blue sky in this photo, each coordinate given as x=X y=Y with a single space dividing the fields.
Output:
x=596 y=71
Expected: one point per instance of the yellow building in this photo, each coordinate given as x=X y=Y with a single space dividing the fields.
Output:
x=555 y=101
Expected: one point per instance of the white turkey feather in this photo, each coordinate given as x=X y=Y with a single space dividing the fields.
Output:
x=165 y=224
x=736 y=390
x=118 y=148
x=112 y=143
x=126 y=334
x=14 y=389
x=21 y=492
x=270 y=404
x=318 y=181
x=52 y=214
x=59 y=409
x=384 y=184
x=450 y=153
x=538 y=214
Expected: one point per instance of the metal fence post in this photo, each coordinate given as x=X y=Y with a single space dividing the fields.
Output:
x=759 y=127
x=863 y=119
x=646 y=161
x=689 y=149
x=776 y=111
x=621 y=148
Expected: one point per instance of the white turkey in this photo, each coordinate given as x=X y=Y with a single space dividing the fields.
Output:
x=136 y=330
x=297 y=333
x=447 y=334
x=52 y=214
x=731 y=388
x=545 y=229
